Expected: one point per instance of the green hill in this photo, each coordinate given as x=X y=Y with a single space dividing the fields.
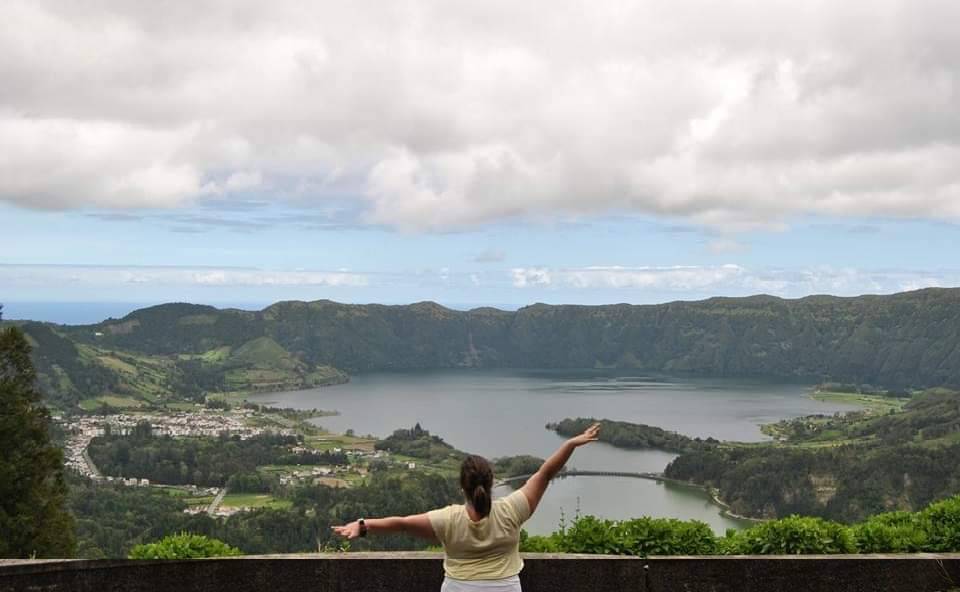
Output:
x=903 y=340
x=91 y=374
x=261 y=364
x=908 y=340
x=843 y=467
x=67 y=372
x=263 y=352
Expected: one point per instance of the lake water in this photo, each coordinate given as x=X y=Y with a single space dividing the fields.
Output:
x=503 y=412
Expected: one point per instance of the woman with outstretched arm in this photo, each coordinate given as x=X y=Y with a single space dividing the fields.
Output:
x=480 y=538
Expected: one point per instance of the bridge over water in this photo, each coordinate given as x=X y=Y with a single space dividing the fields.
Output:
x=579 y=473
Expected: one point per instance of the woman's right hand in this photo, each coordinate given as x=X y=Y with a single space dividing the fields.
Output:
x=591 y=434
x=348 y=531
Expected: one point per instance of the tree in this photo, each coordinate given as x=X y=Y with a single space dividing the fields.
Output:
x=33 y=516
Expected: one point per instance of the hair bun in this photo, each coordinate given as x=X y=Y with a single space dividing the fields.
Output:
x=476 y=480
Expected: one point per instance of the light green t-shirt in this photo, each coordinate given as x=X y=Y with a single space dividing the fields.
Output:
x=488 y=549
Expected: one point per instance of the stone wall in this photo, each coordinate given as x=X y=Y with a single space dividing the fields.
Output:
x=407 y=572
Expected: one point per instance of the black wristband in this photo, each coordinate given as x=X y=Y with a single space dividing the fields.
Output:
x=363 y=527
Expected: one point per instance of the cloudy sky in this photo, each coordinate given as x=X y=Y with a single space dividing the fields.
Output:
x=484 y=152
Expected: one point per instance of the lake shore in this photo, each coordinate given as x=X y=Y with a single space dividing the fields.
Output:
x=502 y=412
x=873 y=403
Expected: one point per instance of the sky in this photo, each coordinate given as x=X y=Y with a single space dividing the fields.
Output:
x=476 y=153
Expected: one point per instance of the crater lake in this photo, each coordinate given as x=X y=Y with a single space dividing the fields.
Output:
x=504 y=412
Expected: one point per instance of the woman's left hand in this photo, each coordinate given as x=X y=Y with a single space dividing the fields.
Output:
x=591 y=434
x=348 y=531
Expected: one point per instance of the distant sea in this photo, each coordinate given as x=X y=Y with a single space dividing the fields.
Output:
x=86 y=313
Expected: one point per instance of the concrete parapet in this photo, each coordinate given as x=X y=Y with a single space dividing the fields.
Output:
x=805 y=573
x=407 y=572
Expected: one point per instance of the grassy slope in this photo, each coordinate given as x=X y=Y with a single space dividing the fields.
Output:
x=874 y=403
x=254 y=500
x=131 y=379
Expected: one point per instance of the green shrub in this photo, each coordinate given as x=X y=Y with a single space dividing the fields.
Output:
x=936 y=529
x=894 y=532
x=589 y=534
x=942 y=524
x=642 y=537
x=184 y=546
x=729 y=544
x=666 y=536
x=794 y=535
x=539 y=544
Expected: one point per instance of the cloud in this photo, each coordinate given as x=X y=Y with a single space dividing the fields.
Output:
x=432 y=115
x=115 y=217
x=238 y=225
x=723 y=246
x=243 y=180
x=531 y=276
x=678 y=229
x=19 y=276
x=673 y=278
x=731 y=279
x=490 y=256
x=852 y=229
x=646 y=284
x=239 y=217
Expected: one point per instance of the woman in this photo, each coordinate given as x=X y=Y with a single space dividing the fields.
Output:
x=481 y=538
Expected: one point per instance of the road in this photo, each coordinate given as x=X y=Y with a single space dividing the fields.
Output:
x=216 y=502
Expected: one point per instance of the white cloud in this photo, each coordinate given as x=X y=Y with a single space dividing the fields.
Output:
x=438 y=115
x=531 y=276
x=490 y=256
x=522 y=284
x=57 y=162
x=686 y=278
x=722 y=246
x=730 y=279
x=19 y=276
x=242 y=180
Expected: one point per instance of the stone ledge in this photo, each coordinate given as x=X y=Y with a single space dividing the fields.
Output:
x=406 y=571
x=353 y=572
x=921 y=572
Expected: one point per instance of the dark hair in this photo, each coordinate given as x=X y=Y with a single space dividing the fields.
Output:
x=476 y=480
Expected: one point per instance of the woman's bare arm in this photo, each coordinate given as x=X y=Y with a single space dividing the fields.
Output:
x=417 y=525
x=535 y=486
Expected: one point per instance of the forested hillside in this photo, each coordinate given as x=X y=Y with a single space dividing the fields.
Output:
x=842 y=467
x=631 y=435
x=900 y=341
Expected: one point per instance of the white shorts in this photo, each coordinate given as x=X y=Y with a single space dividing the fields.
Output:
x=511 y=584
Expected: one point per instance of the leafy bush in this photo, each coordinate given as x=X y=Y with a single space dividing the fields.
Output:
x=184 y=546
x=893 y=532
x=794 y=535
x=942 y=524
x=539 y=544
x=593 y=535
x=642 y=537
x=935 y=529
x=667 y=536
